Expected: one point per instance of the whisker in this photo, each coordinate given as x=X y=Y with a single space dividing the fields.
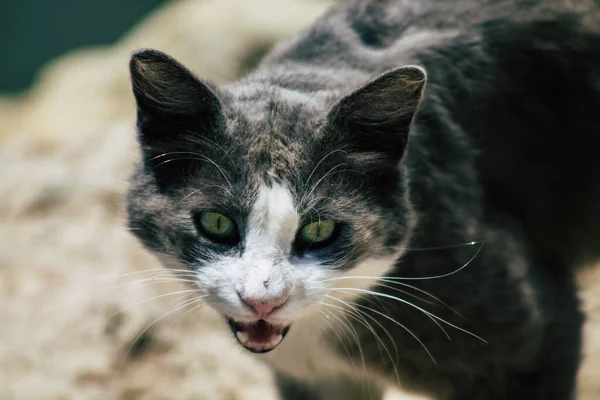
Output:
x=179 y=307
x=357 y=317
x=428 y=316
x=156 y=270
x=198 y=157
x=326 y=331
x=406 y=293
x=326 y=317
x=151 y=299
x=307 y=194
x=352 y=332
x=329 y=173
x=384 y=346
x=449 y=273
x=141 y=282
x=309 y=206
x=217 y=145
x=401 y=278
x=379 y=299
x=196 y=307
x=173 y=153
x=380 y=305
x=406 y=329
x=427 y=294
x=319 y=163
x=202 y=188
x=373 y=293
x=388 y=280
x=368 y=326
x=450 y=246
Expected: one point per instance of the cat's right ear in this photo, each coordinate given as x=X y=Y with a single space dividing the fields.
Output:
x=376 y=118
x=171 y=101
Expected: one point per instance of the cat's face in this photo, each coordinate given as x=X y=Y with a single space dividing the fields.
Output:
x=272 y=198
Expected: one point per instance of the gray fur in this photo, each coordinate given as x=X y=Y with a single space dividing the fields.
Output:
x=500 y=151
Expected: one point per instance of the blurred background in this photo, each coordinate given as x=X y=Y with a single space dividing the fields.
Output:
x=85 y=312
x=36 y=31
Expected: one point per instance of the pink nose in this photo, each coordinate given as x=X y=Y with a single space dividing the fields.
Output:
x=263 y=307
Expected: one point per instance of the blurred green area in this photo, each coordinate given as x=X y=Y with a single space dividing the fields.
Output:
x=33 y=32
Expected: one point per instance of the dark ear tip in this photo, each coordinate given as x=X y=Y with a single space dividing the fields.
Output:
x=148 y=54
x=413 y=73
x=143 y=56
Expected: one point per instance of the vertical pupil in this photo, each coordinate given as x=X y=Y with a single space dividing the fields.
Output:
x=219 y=222
x=318 y=230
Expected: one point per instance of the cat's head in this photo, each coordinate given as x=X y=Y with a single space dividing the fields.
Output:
x=272 y=198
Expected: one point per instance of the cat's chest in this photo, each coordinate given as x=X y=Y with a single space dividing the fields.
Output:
x=307 y=352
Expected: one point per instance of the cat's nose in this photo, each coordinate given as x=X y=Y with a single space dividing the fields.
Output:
x=264 y=307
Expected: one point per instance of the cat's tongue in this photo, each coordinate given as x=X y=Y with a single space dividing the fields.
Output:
x=259 y=336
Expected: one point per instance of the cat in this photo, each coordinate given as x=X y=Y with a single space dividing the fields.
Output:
x=400 y=194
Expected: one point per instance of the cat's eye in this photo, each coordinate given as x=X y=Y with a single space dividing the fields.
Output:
x=217 y=226
x=317 y=233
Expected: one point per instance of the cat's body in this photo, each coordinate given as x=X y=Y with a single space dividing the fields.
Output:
x=500 y=176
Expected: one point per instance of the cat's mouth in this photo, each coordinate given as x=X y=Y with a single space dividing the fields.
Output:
x=258 y=336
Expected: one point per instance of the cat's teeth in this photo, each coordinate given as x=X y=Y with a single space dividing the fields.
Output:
x=242 y=336
x=244 y=339
x=275 y=340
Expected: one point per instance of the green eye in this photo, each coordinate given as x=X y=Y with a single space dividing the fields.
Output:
x=317 y=232
x=217 y=226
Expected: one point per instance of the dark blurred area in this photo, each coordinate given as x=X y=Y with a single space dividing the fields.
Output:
x=33 y=32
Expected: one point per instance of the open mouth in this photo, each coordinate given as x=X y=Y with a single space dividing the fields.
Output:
x=259 y=336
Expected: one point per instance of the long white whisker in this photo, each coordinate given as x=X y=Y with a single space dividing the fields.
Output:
x=151 y=299
x=425 y=293
x=174 y=153
x=326 y=316
x=143 y=282
x=450 y=246
x=452 y=272
x=180 y=319
x=406 y=293
x=387 y=280
x=352 y=332
x=357 y=317
x=359 y=312
x=379 y=305
x=384 y=346
x=428 y=316
x=408 y=331
x=400 y=278
x=146 y=271
x=371 y=292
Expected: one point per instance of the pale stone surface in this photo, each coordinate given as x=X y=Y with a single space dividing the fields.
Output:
x=68 y=314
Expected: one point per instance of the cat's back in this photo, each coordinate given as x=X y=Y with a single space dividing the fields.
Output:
x=376 y=35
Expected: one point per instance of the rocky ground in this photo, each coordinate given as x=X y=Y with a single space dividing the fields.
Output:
x=72 y=319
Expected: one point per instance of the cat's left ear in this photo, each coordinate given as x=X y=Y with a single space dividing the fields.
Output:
x=175 y=112
x=170 y=100
x=376 y=117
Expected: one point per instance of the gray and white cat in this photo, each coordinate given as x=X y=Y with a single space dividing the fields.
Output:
x=399 y=194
